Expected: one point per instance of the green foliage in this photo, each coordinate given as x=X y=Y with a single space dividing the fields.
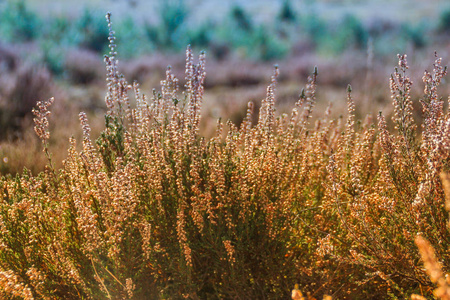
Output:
x=53 y=56
x=17 y=22
x=110 y=142
x=417 y=34
x=444 y=20
x=90 y=31
x=137 y=42
x=58 y=30
x=168 y=34
x=173 y=14
x=264 y=46
x=239 y=32
x=255 y=42
x=335 y=38
x=152 y=33
x=315 y=28
x=354 y=31
x=241 y=19
x=201 y=36
x=287 y=12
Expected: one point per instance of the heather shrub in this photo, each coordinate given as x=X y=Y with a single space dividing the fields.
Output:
x=19 y=95
x=431 y=263
x=400 y=187
x=152 y=209
x=9 y=60
x=142 y=68
x=82 y=66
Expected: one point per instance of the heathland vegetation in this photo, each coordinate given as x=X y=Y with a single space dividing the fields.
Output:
x=56 y=50
x=152 y=209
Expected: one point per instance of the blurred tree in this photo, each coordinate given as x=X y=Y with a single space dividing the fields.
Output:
x=242 y=19
x=91 y=30
x=444 y=21
x=165 y=35
x=287 y=13
x=173 y=14
x=17 y=22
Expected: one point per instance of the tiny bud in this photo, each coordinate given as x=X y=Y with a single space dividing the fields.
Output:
x=302 y=94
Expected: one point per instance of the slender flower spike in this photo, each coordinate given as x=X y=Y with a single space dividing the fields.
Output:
x=41 y=120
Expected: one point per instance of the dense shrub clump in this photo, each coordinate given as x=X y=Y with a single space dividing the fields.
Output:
x=152 y=210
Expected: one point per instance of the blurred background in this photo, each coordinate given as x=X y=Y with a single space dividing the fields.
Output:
x=55 y=48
